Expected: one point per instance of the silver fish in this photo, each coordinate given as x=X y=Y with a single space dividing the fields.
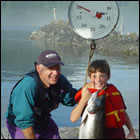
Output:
x=93 y=118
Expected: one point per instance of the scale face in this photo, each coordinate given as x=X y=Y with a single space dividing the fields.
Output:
x=93 y=19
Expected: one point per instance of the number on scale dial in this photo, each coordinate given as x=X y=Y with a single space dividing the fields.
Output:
x=93 y=19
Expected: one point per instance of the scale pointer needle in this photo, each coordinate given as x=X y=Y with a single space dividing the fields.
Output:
x=84 y=8
x=97 y=14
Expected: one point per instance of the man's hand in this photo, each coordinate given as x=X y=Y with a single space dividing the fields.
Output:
x=29 y=133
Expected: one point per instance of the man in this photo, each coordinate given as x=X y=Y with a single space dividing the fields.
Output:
x=35 y=96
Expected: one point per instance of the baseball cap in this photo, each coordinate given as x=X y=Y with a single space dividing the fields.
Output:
x=49 y=58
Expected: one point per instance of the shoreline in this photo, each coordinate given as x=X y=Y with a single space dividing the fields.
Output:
x=60 y=33
x=66 y=132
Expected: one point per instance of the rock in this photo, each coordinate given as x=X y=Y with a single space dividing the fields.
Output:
x=73 y=132
x=5 y=134
x=37 y=35
x=69 y=132
x=136 y=130
x=65 y=132
x=60 y=32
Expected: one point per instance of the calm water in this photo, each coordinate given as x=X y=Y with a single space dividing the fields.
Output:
x=18 y=55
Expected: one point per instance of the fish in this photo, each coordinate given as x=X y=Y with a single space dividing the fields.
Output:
x=93 y=118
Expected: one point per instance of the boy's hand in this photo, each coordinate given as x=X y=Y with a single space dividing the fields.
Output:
x=85 y=94
x=131 y=135
x=77 y=111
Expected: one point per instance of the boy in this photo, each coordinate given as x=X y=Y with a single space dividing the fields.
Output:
x=116 y=116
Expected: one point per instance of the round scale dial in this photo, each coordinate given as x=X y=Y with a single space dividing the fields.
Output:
x=93 y=19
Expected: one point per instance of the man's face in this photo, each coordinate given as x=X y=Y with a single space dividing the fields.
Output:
x=49 y=75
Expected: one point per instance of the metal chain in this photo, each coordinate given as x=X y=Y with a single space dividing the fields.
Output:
x=92 y=48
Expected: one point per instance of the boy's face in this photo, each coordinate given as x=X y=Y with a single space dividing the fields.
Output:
x=99 y=79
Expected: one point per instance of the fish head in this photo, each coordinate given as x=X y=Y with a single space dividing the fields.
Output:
x=92 y=103
x=93 y=98
x=95 y=103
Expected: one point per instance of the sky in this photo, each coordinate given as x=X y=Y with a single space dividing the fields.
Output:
x=40 y=13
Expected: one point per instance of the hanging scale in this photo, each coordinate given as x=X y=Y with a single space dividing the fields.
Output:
x=93 y=20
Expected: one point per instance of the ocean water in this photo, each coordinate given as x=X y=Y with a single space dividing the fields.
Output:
x=18 y=55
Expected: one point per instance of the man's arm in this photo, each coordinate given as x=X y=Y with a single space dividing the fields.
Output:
x=29 y=133
x=67 y=97
x=23 y=102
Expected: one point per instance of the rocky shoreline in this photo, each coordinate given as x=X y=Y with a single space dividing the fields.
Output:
x=65 y=133
x=60 y=33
